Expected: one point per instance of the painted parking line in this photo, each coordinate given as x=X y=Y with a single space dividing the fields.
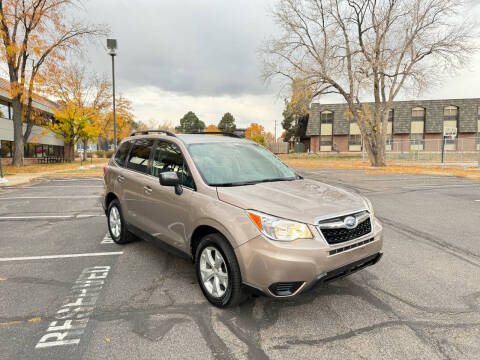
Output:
x=70 y=180
x=107 y=240
x=52 y=197
x=49 y=217
x=37 y=187
x=63 y=256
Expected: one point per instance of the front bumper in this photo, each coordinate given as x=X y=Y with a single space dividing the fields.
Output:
x=269 y=266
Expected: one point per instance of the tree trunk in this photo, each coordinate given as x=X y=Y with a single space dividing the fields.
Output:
x=69 y=152
x=375 y=147
x=18 y=139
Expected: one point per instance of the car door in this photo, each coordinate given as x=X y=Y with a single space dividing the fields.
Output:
x=116 y=173
x=135 y=192
x=166 y=213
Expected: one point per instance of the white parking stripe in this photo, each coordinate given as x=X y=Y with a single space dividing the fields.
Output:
x=107 y=239
x=52 y=197
x=70 y=180
x=60 y=256
x=59 y=186
x=41 y=217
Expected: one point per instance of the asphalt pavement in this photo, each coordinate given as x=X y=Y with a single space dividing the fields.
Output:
x=68 y=292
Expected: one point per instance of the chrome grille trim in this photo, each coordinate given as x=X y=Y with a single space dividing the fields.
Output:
x=336 y=223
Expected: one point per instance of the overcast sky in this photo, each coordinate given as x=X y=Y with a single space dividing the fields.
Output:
x=200 y=55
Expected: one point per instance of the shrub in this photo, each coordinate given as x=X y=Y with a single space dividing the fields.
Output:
x=109 y=154
x=100 y=153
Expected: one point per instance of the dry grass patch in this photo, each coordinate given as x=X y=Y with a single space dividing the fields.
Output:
x=9 y=170
x=356 y=163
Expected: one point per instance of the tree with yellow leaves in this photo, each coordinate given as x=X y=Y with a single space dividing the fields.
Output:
x=74 y=123
x=84 y=100
x=211 y=128
x=255 y=132
x=34 y=33
x=124 y=118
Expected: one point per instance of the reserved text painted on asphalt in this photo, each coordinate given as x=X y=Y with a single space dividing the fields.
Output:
x=72 y=318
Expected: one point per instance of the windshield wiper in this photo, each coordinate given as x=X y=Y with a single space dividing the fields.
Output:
x=242 y=183
x=274 y=180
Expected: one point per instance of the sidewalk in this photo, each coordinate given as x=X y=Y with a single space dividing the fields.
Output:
x=25 y=178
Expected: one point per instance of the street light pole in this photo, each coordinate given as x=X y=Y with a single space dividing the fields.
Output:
x=112 y=47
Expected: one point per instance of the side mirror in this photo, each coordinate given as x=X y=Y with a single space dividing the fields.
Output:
x=170 y=178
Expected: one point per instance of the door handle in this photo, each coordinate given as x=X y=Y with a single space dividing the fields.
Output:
x=120 y=178
x=147 y=189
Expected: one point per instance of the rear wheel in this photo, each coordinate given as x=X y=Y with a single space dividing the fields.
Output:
x=218 y=272
x=116 y=224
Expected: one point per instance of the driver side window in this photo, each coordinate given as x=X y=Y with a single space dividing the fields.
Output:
x=168 y=157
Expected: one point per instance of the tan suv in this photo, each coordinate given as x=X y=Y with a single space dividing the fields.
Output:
x=248 y=221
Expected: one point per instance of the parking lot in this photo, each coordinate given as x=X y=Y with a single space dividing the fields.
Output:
x=138 y=302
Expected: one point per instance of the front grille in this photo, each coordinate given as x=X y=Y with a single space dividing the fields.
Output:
x=353 y=246
x=339 y=235
x=284 y=288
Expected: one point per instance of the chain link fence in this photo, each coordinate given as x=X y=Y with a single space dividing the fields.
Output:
x=463 y=151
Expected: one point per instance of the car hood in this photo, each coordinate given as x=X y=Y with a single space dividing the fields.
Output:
x=299 y=200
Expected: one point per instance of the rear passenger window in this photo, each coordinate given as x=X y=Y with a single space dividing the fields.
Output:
x=139 y=156
x=122 y=153
x=168 y=157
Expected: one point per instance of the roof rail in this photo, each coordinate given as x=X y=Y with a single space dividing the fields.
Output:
x=145 y=132
x=218 y=133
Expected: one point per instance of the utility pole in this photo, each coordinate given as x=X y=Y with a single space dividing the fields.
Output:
x=275 y=131
x=112 y=47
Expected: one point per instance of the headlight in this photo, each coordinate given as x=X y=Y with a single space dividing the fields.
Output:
x=279 y=229
x=369 y=206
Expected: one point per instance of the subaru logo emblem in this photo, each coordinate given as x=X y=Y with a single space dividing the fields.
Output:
x=350 y=222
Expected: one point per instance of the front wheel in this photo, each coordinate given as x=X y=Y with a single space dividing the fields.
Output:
x=116 y=224
x=218 y=272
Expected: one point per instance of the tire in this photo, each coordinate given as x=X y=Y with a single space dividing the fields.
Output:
x=230 y=295
x=119 y=235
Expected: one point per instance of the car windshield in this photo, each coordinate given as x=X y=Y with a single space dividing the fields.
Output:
x=237 y=164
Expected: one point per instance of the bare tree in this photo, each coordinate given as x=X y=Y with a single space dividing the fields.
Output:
x=368 y=48
x=40 y=31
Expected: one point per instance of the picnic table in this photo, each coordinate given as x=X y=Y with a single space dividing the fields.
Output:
x=50 y=159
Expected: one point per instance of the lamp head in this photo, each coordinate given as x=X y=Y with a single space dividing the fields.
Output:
x=112 y=46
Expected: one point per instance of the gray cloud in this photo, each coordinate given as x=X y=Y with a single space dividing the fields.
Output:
x=193 y=47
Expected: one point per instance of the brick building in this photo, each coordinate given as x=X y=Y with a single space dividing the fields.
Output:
x=413 y=125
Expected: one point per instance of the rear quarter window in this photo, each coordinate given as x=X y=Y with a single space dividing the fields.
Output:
x=122 y=153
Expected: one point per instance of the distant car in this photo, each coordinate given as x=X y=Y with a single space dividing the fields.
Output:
x=247 y=221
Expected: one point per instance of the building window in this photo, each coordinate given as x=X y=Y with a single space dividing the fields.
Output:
x=5 y=110
x=450 y=120
x=355 y=140
x=417 y=128
x=326 y=140
x=326 y=117
x=418 y=114
x=391 y=113
x=7 y=149
x=417 y=140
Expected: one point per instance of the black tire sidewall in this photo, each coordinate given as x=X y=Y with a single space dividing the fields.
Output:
x=121 y=238
x=219 y=243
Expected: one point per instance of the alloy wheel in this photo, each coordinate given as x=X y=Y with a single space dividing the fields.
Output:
x=213 y=271
x=115 y=222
